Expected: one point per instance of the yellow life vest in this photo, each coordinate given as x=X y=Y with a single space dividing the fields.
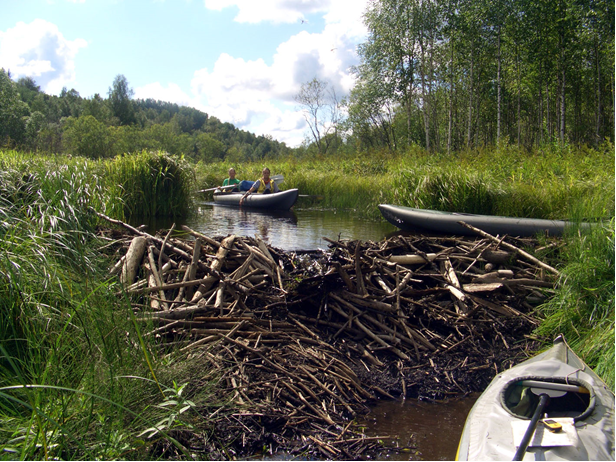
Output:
x=261 y=189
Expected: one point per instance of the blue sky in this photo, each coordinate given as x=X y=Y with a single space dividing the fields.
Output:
x=242 y=61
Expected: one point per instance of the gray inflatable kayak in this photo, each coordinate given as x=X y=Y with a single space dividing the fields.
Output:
x=282 y=200
x=411 y=219
x=576 y=424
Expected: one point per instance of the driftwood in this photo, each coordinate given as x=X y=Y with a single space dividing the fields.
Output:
x=308 y=339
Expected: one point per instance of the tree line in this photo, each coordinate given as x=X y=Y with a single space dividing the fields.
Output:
x=100 y=127
x=454 y=74
x=445 y=75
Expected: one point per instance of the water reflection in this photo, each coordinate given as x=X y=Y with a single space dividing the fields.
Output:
x=300 y=229
x=422 y=430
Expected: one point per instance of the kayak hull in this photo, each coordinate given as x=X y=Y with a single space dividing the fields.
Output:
x=495 y=424
x=282 y=200
x=411 y=219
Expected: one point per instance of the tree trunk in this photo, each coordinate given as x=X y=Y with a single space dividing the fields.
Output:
x=408 y=116
x=598 y=95
x=519 y=98
x=424 y=96
x=498 y=83
x=547 y=109
x=450 y=115
x=470 y=106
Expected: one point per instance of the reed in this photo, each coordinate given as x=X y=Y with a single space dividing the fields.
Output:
x=554 y=183
x=583 y=307
x=76 y=380
x=150 y=184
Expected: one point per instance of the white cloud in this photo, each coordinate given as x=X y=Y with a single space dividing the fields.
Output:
x=40 y=51
x=260 y=98
x=276 y=11
x=173 y=94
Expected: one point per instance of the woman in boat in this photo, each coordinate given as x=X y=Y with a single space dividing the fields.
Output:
x=231 y=181
x=264 y=185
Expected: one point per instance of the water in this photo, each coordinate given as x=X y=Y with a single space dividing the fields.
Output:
x=421 y=430
x=298 y=229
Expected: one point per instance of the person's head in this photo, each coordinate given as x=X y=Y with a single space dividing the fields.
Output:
x=266 y=173
x=231 y=172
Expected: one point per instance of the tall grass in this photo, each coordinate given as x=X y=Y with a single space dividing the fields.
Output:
x=583 y=307
x=151 y=184
x=555 y=183
x=76 y=380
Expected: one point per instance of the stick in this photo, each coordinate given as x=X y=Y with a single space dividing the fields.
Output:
x=512 y=247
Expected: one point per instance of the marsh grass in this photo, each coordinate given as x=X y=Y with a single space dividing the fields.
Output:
x=68 y=343
x=554 y=182
x=583 y=307
x=151 y=184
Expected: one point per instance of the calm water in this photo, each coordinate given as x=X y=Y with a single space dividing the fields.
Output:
x=422 y=430
x=298 y=229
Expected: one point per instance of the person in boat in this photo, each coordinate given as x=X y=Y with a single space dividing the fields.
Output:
x=264 y=185
x=231 y=181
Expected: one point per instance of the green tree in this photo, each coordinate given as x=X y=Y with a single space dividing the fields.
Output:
x=120 y=95
x=209 y=149
x=98 y=108
x=34 y=124
x=28 y=89
x=13 y=112
x=86 y=136
x=69 y=103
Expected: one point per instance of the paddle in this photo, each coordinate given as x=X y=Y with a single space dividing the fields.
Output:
x=276 y=178
x=544 y=390
x=219 y=187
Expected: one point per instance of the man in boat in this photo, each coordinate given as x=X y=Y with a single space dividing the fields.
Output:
x=264 y=185
x=231 y=181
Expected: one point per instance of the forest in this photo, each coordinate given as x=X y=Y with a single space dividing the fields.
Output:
x=100 y=127
x=457 y=74
x=442 y=75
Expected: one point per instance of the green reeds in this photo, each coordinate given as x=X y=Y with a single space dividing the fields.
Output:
x=67 y=343
x=551 y=183
x=150 y=184
x=583 y=307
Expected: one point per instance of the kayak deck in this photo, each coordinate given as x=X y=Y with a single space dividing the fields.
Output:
x=581 y=404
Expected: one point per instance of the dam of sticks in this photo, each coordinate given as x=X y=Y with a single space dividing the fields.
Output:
x=300 y=343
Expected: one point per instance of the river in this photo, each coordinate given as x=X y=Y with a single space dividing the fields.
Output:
x=298 y=229
x=420 y=430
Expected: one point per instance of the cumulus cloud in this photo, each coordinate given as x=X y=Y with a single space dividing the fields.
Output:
x=39 y=50
x=276 y=11
x=172 y=93
x=261 y=98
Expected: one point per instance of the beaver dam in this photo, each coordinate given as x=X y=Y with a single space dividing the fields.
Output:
x=301 y=343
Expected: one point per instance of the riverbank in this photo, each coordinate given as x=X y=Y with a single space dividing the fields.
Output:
x=552 y=182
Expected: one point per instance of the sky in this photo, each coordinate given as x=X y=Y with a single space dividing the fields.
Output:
x=242 y=61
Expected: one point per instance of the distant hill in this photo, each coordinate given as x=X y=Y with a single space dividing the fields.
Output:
x=104 y=127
